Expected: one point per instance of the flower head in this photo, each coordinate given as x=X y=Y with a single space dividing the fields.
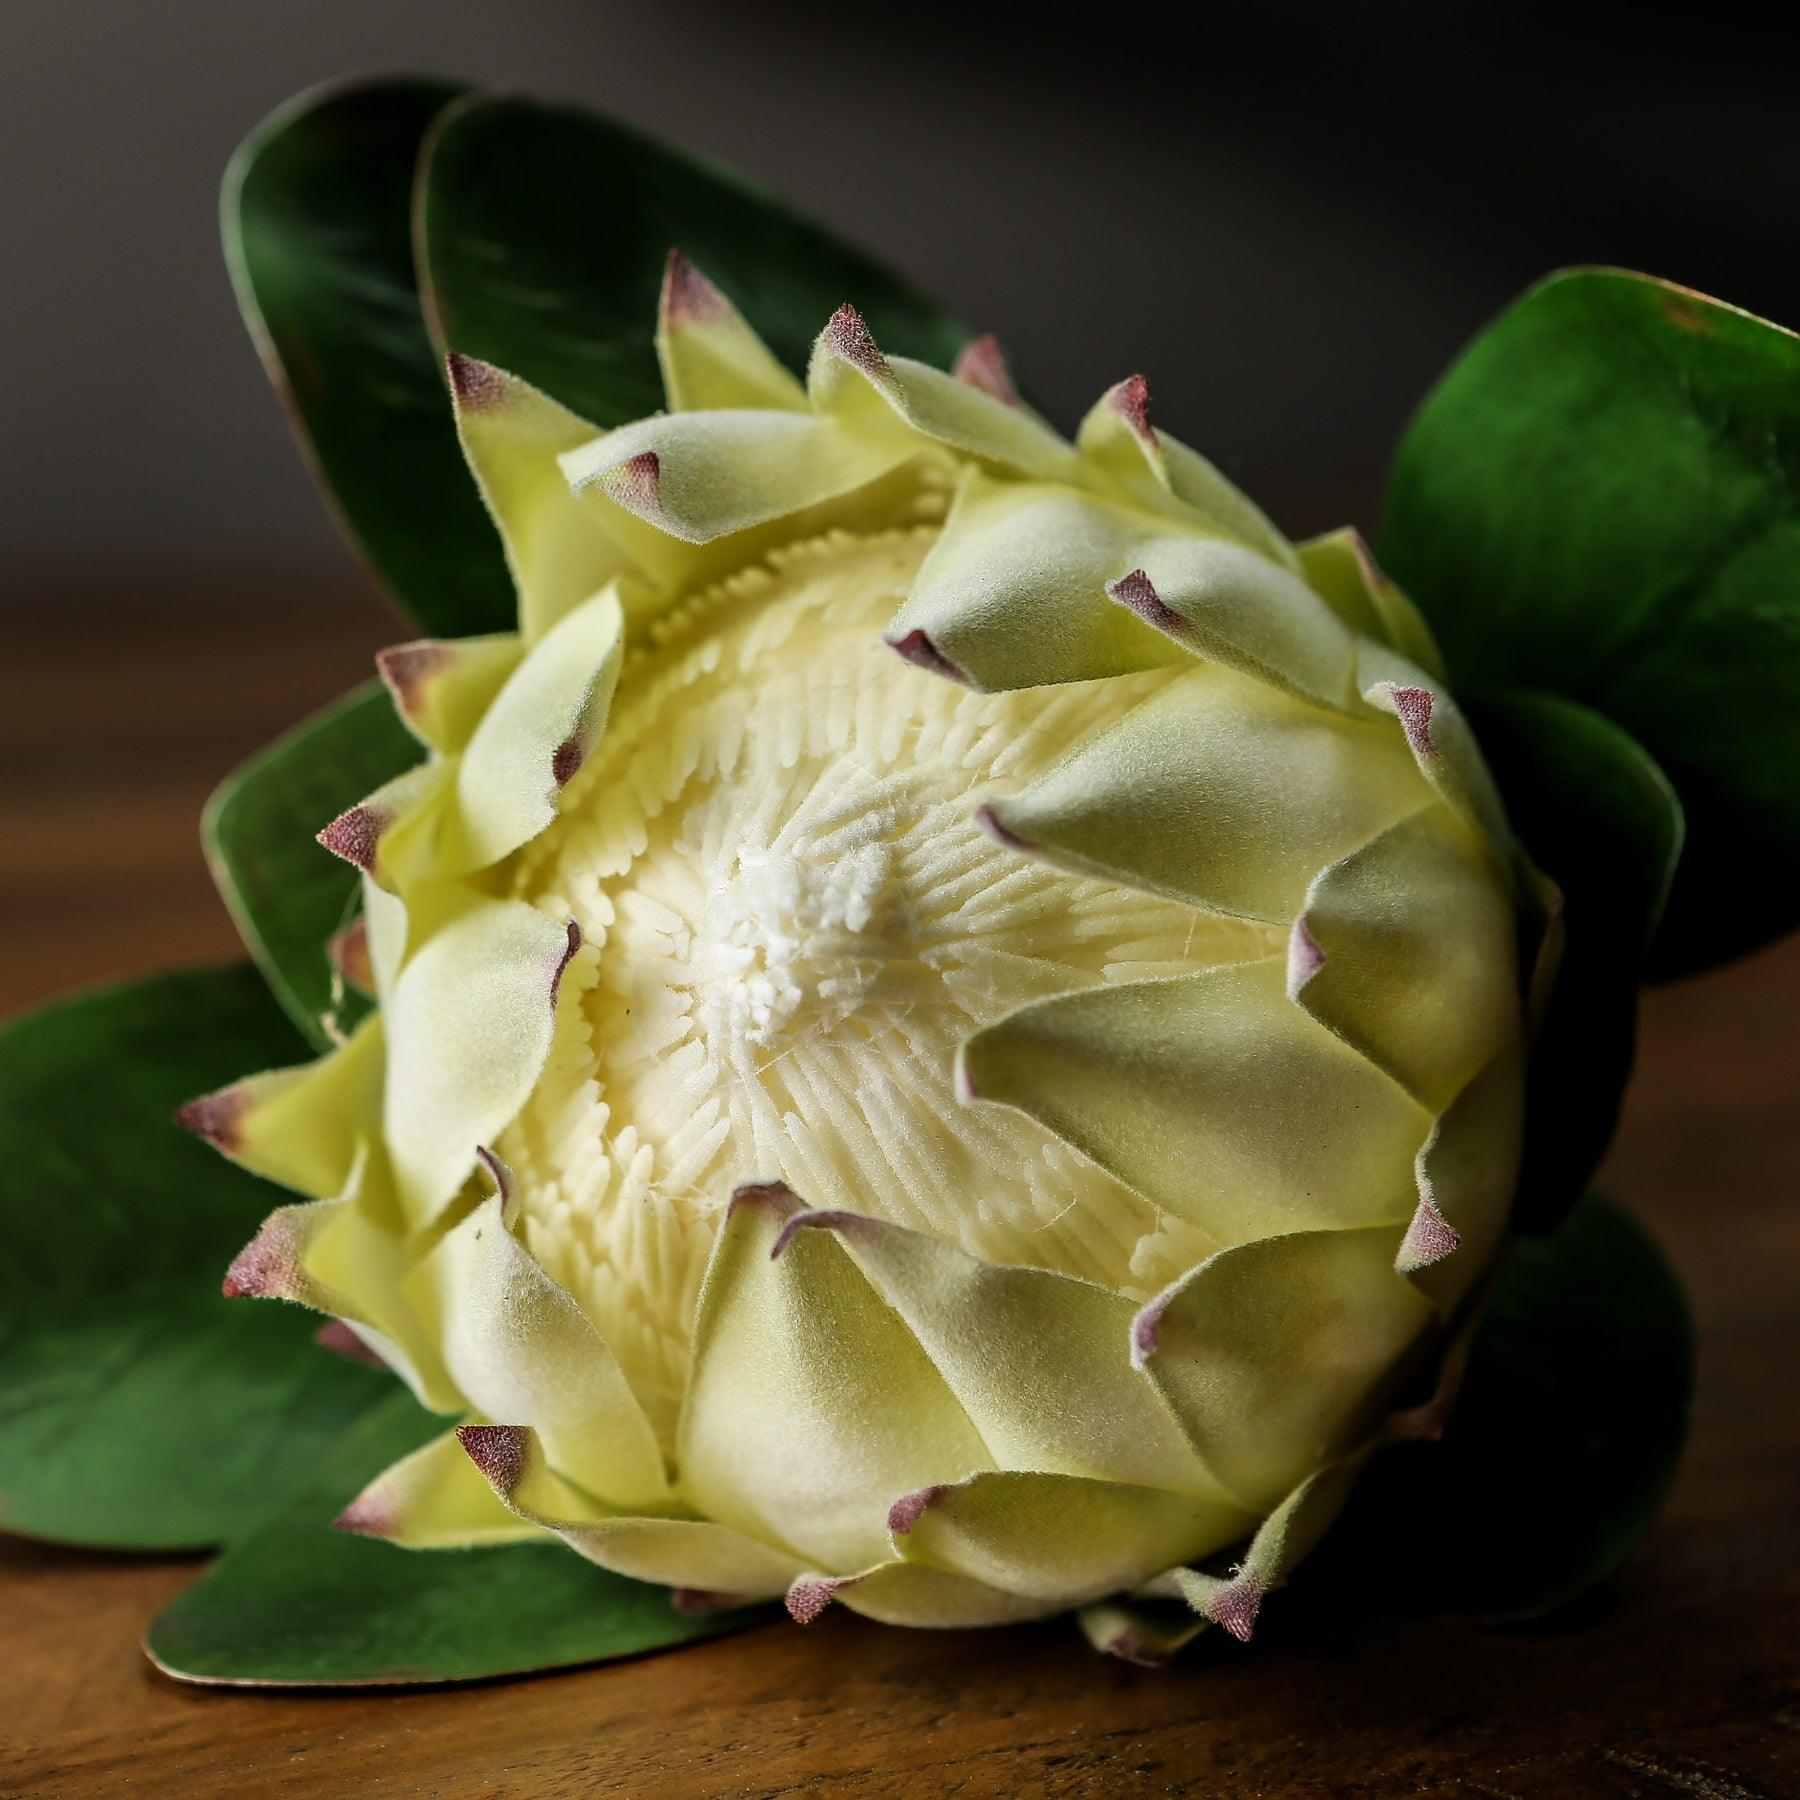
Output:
x=949 y=1035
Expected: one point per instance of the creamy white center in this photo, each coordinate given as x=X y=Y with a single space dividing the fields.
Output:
x=790 y=921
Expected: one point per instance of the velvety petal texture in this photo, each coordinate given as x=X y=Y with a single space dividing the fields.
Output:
x=949 y=1035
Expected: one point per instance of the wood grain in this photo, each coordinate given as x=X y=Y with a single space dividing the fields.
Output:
x=1681 y=1678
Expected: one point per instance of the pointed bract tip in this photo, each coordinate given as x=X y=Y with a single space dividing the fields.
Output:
x=348 y=953
x=409 y=669
x=982 y=364
x=1425 y=1423
x=498 y=1451
x=847 y=336
x=809 y=1595
x=1138 y=592
x=497 y=1172
x=1304 y=959
x=365 y=1516
x=356 y=836
x=1235 y=1606
x=476 y=385
x=266 y=1267
x=990 y=821
x=1413 y=708
x=337 y=1337
x=566 y=759
x=1131 y=401
x=825 y=1218
x=688 y=298
x=1133 y=1647
x=1365 y=559
x=703 y=1603
x=918 y=649
x=1429 y=1238
x=566 y=955
x=218 y=1118
x=771 y=1196
x=636 y=484
x=1146 y=1328
x=909 y=1509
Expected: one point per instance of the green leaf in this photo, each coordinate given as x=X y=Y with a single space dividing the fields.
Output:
x=138 y=1406
x=1601 y=499
x=317 y=220
x=1562 y=1446
x=295 y=1603
x=543 y=236
x=287 y=894
x=1595 y=813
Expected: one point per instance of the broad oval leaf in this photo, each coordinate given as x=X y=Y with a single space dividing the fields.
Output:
x=317 y=221
x=1562 y=1446
x=543 y=232
x=143 y=1409
x=1601 y=499
x=294 y=1603
x=287 y=895
x=1599 y=817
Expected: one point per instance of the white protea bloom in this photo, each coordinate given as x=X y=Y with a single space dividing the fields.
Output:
x=949 y=1030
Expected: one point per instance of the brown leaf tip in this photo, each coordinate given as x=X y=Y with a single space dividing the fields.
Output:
x=982 y=364
x=688 y=298
x=356 y=836
x=498 y=1451
x=909 y=1509
x=1429 y=1238
x=847 y=336
x=1236 y=1605
x=917 y=648
x=476 y=385
x=218 y=1118
x=1138 y=592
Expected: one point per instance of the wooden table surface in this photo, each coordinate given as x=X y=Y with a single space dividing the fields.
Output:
x=128 y=694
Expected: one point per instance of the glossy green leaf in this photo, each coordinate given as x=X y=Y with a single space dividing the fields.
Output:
x=317 y=220
x=287 y=894
x=1563 y=1442
x=544 y=231
x=138 y=1406
x=295 y=1603
x=1599 y=817
x=1601 y=499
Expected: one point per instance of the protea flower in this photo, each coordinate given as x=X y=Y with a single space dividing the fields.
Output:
x=949 y=1028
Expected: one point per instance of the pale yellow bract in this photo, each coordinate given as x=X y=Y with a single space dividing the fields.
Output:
x=949 y=1030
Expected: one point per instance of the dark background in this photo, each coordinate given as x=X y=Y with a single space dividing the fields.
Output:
x=1288 y=216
